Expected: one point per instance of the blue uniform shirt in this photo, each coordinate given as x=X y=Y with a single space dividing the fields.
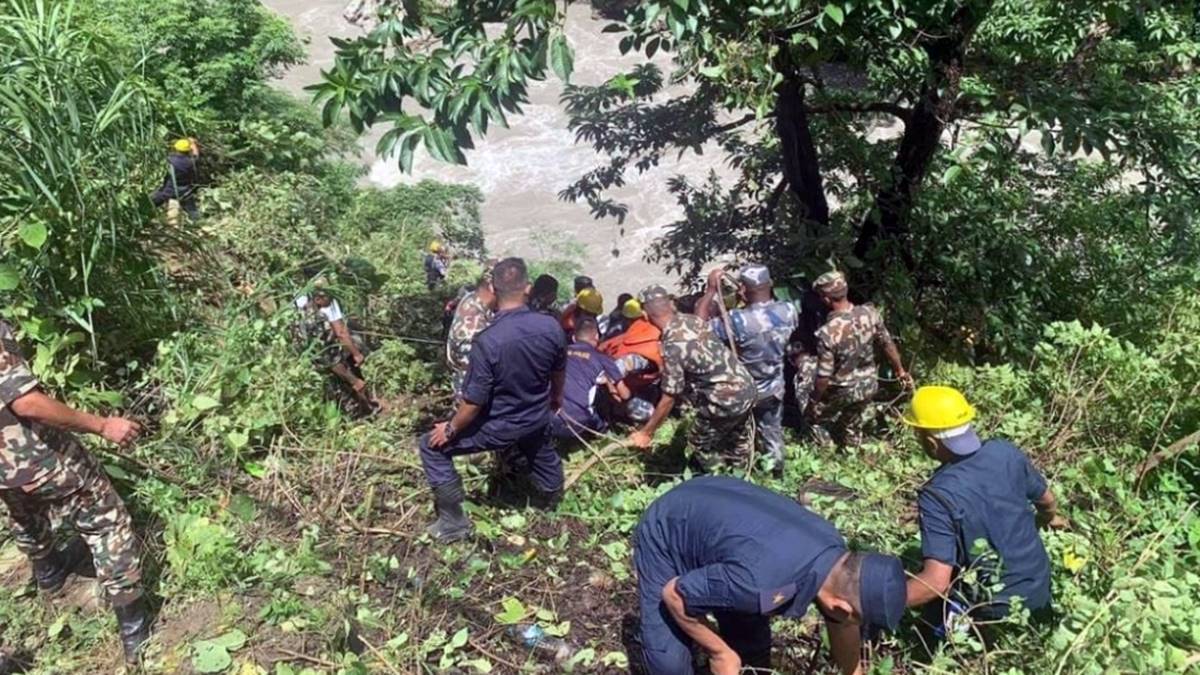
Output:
x=509 y=373
x=761 y=333
x=586 y=369
x=988 y=495
x=735 y=547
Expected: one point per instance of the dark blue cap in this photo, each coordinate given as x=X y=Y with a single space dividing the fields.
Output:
x=882 y=591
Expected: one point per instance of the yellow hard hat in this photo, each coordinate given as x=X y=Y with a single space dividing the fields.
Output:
x=435 y=246
x=182 y=145
x=590 y=301
x=936 y=407
x=632 y=309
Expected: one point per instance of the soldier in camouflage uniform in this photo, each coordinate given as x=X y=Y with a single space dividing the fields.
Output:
x=473 y=314
x=761 y=331
x=721 y=390
x=846 y=377
x=45 y=474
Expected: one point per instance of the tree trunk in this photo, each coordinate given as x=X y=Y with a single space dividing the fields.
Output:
x=934 y=109
x=801 y=169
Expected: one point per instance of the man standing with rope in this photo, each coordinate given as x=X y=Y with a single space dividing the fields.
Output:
x=759 y=334
x=722 y=391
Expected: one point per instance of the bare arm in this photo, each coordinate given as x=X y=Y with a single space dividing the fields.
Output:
x=723 y=659
x=621 y=391
x=444 y=432
x=845 y=643
x=893 y=357
x=931 y=583
x=343 y=335
x=38 y=407
x=1047 y=511
x=558 y=380
x=704 y=306
x=642 y=437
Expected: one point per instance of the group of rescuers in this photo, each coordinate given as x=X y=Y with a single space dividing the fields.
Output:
x=528 y=376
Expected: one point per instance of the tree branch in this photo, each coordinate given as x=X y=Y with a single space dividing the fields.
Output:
x=877 y=107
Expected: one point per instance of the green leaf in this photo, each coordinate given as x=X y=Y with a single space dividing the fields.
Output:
x=562 y=58
x=513 y=612
x=255 y=469
x=459 y=639
x=231 y=641
x=835 y=13
x=203 y=403
x=33 y=234
x=951 y=173
x=211 y=658
x=713 y=72
x=10 y=278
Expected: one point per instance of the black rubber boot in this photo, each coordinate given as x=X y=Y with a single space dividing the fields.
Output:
x=547 y=501
x=51 y=572
x=451 y=524
x=133 y=625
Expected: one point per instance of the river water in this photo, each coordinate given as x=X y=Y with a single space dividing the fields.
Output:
x=520 y=170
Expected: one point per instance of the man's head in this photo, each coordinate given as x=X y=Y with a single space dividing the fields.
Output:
x=622 y=299
x=657 y=305
x=182 y=146
x=510 y=279
x=590 y=301
x=864 y=588
x=582 y=282
x=544 y=291
x=832 y=288
x=941 y=418
x=754 y=283
x=484 y=289
x=587 y=330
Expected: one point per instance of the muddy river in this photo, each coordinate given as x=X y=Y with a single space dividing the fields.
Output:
x=520 y=170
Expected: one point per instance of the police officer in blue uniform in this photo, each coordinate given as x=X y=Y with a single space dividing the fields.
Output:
x=979 y=511
x=718 y=545
x=513 y=384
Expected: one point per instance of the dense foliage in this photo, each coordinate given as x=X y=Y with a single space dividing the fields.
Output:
x=854 y=131
x=284 y=538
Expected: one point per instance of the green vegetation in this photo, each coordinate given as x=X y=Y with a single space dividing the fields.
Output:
x=284 y=538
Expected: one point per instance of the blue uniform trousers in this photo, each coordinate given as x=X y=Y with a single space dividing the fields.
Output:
x=536 y=446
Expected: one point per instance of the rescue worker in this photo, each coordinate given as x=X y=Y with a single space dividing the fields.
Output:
x=621 y=316
x=722 y=392
x=846 y=375
x=761 y=331
x=718 y=545
x=514 y=383
x=588 y=371
x=583 y=282
x=803 y=349
x=182 y=177
x=471 y=316
x=437 y=262
x=543 y=297
x=47 y=475
x=981 y=493
x=638 y=352
x=588 y=303
x=322 y=322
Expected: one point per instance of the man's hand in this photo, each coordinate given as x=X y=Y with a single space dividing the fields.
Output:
x=714 y=279
x=641 y=440
x=119 y=430
x=1055 y=522
x=440 y=434
x=906 y=379
x=358 y=358
x=725 y=663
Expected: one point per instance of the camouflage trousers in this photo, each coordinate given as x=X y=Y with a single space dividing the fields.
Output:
x=842 y=411
x=80 y=495
x=717 y=441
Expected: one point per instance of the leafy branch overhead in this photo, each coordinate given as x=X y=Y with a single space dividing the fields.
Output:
x=833 y=114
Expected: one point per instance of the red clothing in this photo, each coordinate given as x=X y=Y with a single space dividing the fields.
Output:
x=642 y=339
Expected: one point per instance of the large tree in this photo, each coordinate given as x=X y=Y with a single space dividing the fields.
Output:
x=834 y=115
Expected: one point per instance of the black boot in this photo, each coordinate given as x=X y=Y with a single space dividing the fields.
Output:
x=51 y=572
x=451 y=524
x=548 y=501
x=133 y=625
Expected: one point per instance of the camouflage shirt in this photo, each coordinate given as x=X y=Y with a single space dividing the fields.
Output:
x=471 y=317
x=761 y=333
x=30 y=451
x=697 y=363
x=846 y=346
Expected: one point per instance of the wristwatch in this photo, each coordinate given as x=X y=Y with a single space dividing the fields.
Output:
x=451 y=432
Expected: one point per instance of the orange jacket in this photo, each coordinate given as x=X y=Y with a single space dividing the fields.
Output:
x=642 y=339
